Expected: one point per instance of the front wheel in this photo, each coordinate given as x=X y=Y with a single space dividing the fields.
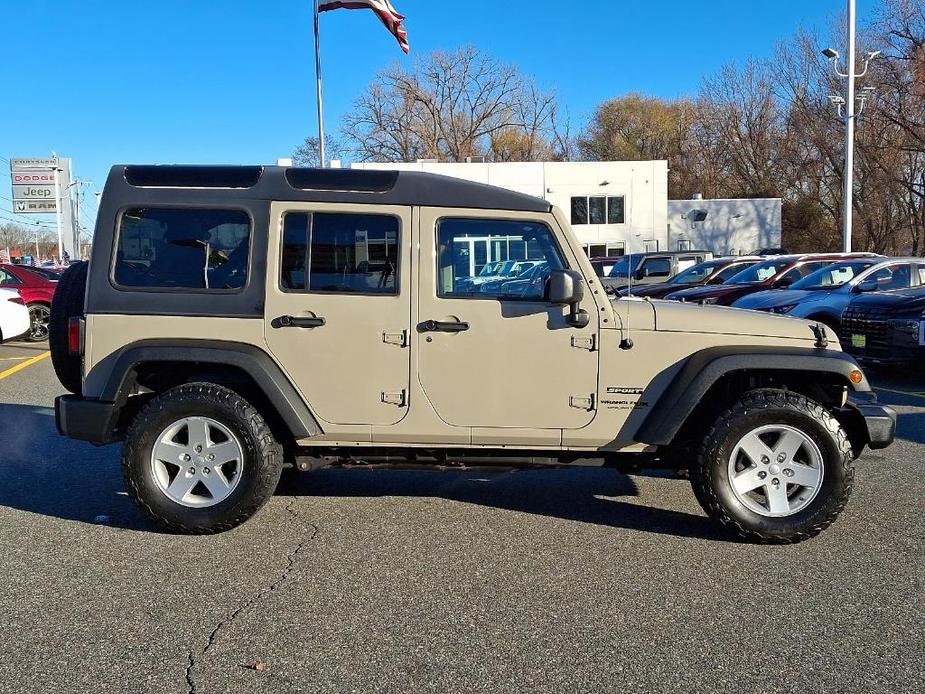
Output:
x=39 y=315
x=774 y=468
x=200 y=459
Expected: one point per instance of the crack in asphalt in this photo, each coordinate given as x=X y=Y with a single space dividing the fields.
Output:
x=254 y=599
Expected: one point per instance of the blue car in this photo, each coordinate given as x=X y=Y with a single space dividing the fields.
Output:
x=824 y=294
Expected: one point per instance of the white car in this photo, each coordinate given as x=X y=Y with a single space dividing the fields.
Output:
x=14 y=316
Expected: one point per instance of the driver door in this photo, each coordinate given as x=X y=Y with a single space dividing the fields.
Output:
x=495 y=355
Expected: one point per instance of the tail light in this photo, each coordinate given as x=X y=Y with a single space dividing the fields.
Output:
x=17 y=300
x=75 y=336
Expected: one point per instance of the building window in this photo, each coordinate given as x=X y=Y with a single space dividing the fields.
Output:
x=599 y=209
x=616 y=209
x=347 y=253
x=182 y=248
x=605 y=250
x=579 y=210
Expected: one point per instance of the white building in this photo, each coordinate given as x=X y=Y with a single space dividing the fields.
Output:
x=614 y=206
x=620 y=207
x=727 y=227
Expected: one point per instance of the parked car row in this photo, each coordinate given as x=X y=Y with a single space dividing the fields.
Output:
x=875 y=304
x=35 y=287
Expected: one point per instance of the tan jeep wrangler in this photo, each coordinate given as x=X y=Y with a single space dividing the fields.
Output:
x=238 y=320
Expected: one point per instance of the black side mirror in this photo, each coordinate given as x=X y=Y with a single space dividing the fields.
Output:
x=868 y=285
x=566 y=288
x=641 y=273
x=783 y=282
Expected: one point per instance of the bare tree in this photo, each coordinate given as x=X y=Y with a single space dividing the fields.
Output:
x=451 y=106
x=309 y=152
x=766 y=128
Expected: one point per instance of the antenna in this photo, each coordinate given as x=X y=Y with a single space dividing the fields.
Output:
x=627 y=342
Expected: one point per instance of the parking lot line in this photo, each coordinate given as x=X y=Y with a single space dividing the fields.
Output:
x=901 y=392
x=25 y=365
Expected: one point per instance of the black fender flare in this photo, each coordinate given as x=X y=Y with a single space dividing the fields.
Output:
x=268 y=376
x=705 y=367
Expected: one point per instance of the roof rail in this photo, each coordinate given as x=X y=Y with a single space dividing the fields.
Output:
x=347 y=180
x=172 y=176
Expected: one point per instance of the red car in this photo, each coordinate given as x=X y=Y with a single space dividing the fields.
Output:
x=36 y=287
x=776 y=272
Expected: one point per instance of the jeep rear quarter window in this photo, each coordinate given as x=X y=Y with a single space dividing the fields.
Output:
x=528 y=248
x=329 y=252
x=172 y=248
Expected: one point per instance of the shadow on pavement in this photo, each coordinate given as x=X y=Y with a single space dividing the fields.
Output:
x=586 y=495
x=44 y=473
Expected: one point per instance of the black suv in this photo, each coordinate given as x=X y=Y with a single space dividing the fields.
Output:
x=886 y=327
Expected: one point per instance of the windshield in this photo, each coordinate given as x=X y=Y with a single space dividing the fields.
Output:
x=697 y=273
x=625 y=266
x=759 y=272
x=833 y=276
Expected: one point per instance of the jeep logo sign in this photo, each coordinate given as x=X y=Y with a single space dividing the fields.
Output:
x=30 y=192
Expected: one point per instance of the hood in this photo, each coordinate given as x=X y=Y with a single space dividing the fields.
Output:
x=900 y=301
x=689 y=318
x=772 y=298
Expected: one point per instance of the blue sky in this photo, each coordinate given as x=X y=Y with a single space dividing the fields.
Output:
x=107 y=81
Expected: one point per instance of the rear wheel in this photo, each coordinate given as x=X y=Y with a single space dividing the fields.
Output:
x=200 y=459
x=39 y=315
x=774 y=468
x=67 y=303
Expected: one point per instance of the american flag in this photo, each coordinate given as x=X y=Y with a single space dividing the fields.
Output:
x=387 y=14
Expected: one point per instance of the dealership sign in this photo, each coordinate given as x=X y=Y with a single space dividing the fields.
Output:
x=34 y=185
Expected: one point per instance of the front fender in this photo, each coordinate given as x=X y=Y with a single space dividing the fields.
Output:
x=705 y=368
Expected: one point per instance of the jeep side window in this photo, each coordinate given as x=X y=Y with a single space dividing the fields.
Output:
x=330 y=252
x=182 y=248
x=524 y=245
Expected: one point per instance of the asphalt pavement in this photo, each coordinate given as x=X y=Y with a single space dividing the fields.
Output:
x=394 y=581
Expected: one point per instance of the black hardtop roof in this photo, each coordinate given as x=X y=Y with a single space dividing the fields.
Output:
x=209 y=183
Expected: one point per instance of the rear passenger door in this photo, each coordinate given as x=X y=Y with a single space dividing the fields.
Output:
x=338 y=307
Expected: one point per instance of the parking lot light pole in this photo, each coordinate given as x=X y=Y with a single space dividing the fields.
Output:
x=58 y=215
x=846 y=110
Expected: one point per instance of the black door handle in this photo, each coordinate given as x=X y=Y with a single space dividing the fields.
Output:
x=438 y=326
x=298 y=322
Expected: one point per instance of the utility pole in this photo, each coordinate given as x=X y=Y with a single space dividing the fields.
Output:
x=78 y=183
x=846 y=110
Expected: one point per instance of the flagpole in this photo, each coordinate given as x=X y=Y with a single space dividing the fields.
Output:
x=318 y=87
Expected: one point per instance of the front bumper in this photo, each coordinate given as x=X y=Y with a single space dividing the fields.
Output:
x=877 y=422
x=87 y=420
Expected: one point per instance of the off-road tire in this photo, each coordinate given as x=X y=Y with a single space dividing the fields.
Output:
x=67 y=303
x=710 y=474
x=261 y=467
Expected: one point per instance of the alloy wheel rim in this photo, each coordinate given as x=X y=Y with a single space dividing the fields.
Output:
x=776 y=470
x=197 y=462
x=38 y=318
